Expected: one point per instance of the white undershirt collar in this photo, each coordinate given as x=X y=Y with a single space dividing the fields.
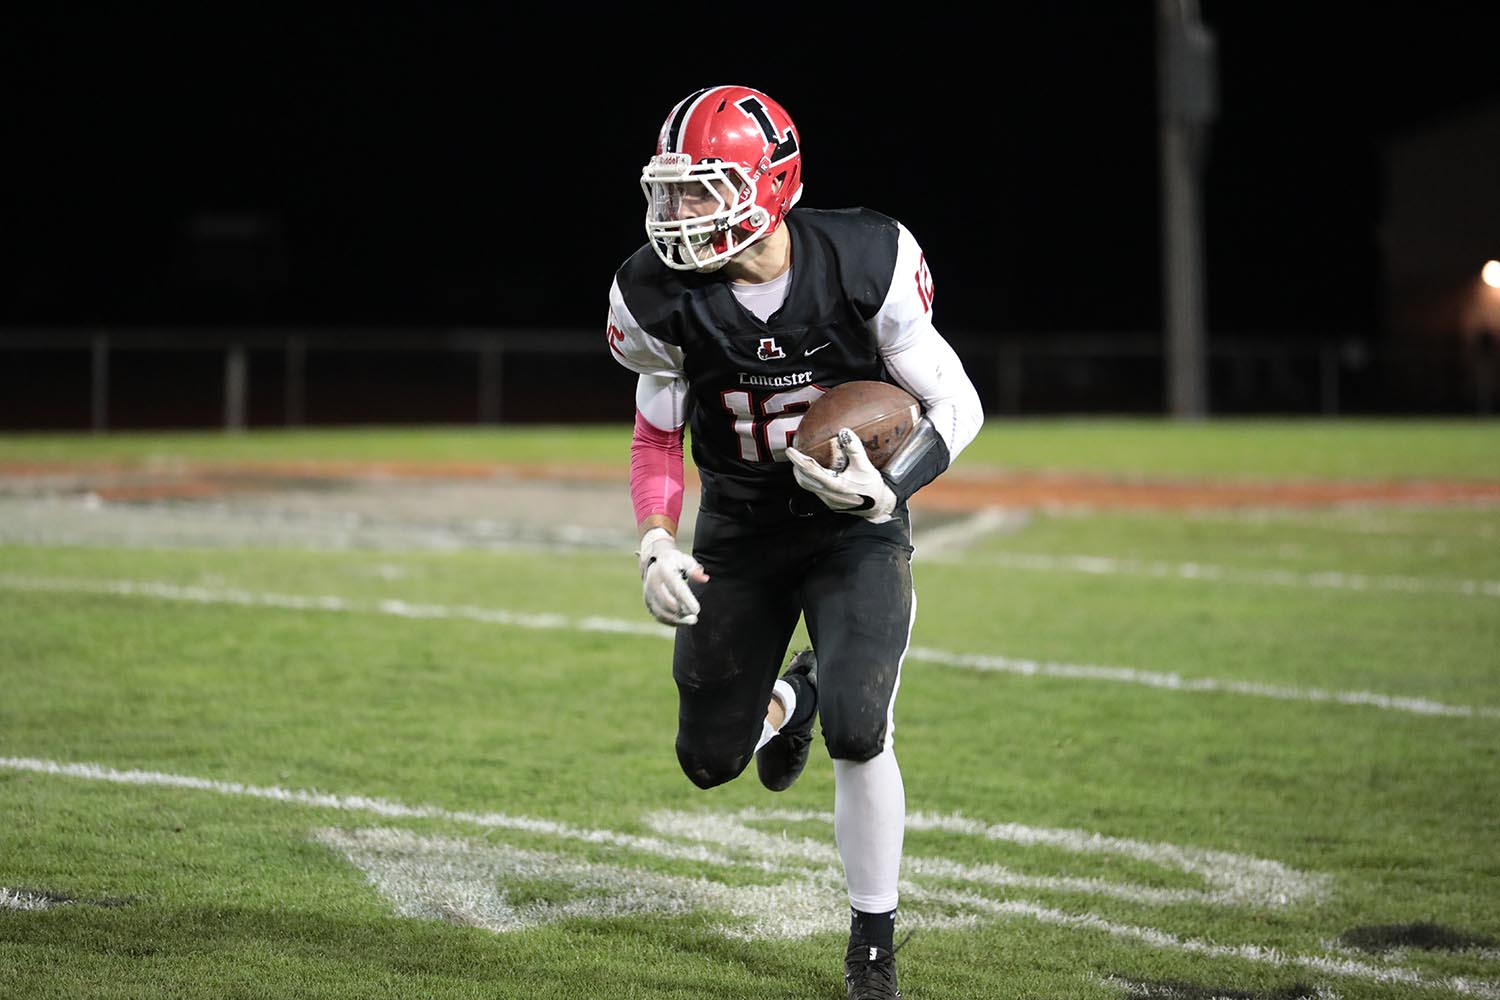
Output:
x=763 y=298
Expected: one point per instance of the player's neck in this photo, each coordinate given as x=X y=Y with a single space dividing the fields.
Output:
x=764 y=261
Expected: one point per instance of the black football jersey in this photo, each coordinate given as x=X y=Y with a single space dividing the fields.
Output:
x=749 y=381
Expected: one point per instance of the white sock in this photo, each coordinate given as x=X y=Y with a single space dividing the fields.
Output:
x=869 y=823
x=782 y=692
x=787 y=695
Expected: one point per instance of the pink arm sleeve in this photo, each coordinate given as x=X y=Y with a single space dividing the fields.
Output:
x=655 y=470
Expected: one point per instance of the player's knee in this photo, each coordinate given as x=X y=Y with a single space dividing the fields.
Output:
x=858 y=744
x=856 y=721
x=707 y=767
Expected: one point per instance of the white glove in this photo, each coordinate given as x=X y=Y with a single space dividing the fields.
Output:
x=857 y=488
x=665 y=571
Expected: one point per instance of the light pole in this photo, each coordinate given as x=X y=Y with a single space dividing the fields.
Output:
x=1187 y=102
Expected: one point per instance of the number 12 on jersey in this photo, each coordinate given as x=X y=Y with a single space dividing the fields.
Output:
x=766 y=424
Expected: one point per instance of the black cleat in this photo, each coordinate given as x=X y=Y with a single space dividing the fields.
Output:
x=870 y=973
x=781 y=760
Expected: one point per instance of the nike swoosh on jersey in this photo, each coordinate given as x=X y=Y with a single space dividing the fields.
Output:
x=813 y=350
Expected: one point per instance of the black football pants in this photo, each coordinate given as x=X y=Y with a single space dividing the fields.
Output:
x=849 y=578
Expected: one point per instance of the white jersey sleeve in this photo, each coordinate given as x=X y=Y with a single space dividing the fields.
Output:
x=633 y=347
x=661 y=400
x=921 y=361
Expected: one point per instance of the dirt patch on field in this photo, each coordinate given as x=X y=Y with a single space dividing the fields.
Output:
x=1423 y=935
x=956 y=492
x=390 y=506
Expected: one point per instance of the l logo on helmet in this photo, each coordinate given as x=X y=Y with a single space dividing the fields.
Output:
x=768 y=350
x=786 y=145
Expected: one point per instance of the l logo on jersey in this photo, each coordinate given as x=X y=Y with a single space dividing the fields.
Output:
x=769 y=351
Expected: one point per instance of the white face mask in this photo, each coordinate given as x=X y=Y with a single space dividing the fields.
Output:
x=698 y=215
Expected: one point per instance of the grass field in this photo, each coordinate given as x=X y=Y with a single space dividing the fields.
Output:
x=1359 y=449
x=1231 y=752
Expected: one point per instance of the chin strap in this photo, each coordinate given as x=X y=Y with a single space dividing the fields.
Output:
x=921 y=458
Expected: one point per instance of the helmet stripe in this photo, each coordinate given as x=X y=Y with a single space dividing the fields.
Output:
x=672 y=140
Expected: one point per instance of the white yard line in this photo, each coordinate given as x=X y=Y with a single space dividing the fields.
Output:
x=1231 y=879
x=1177 y=682
x=302 y=602
x=21 y=899
x=463 y=881
x=543 y=620
x=951 y=541
x=1326 y=964
x=1169 y=991
x=731 y=840
x=951 y=538
x=1159 y=570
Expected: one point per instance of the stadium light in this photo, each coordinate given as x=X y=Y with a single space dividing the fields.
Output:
x=1491 y=273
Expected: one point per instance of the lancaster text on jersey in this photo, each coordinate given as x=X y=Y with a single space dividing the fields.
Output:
x=776 y=381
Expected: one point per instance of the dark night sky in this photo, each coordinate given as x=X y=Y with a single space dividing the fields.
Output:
x=418 y=168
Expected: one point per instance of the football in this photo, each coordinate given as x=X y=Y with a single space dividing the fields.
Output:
x=882 y=414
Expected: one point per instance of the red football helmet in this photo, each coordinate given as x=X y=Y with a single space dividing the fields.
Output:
x=727 y=169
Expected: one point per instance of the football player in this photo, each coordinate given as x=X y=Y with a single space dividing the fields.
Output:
x=735 y=315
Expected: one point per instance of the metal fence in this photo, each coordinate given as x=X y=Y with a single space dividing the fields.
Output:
x=118 y=379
